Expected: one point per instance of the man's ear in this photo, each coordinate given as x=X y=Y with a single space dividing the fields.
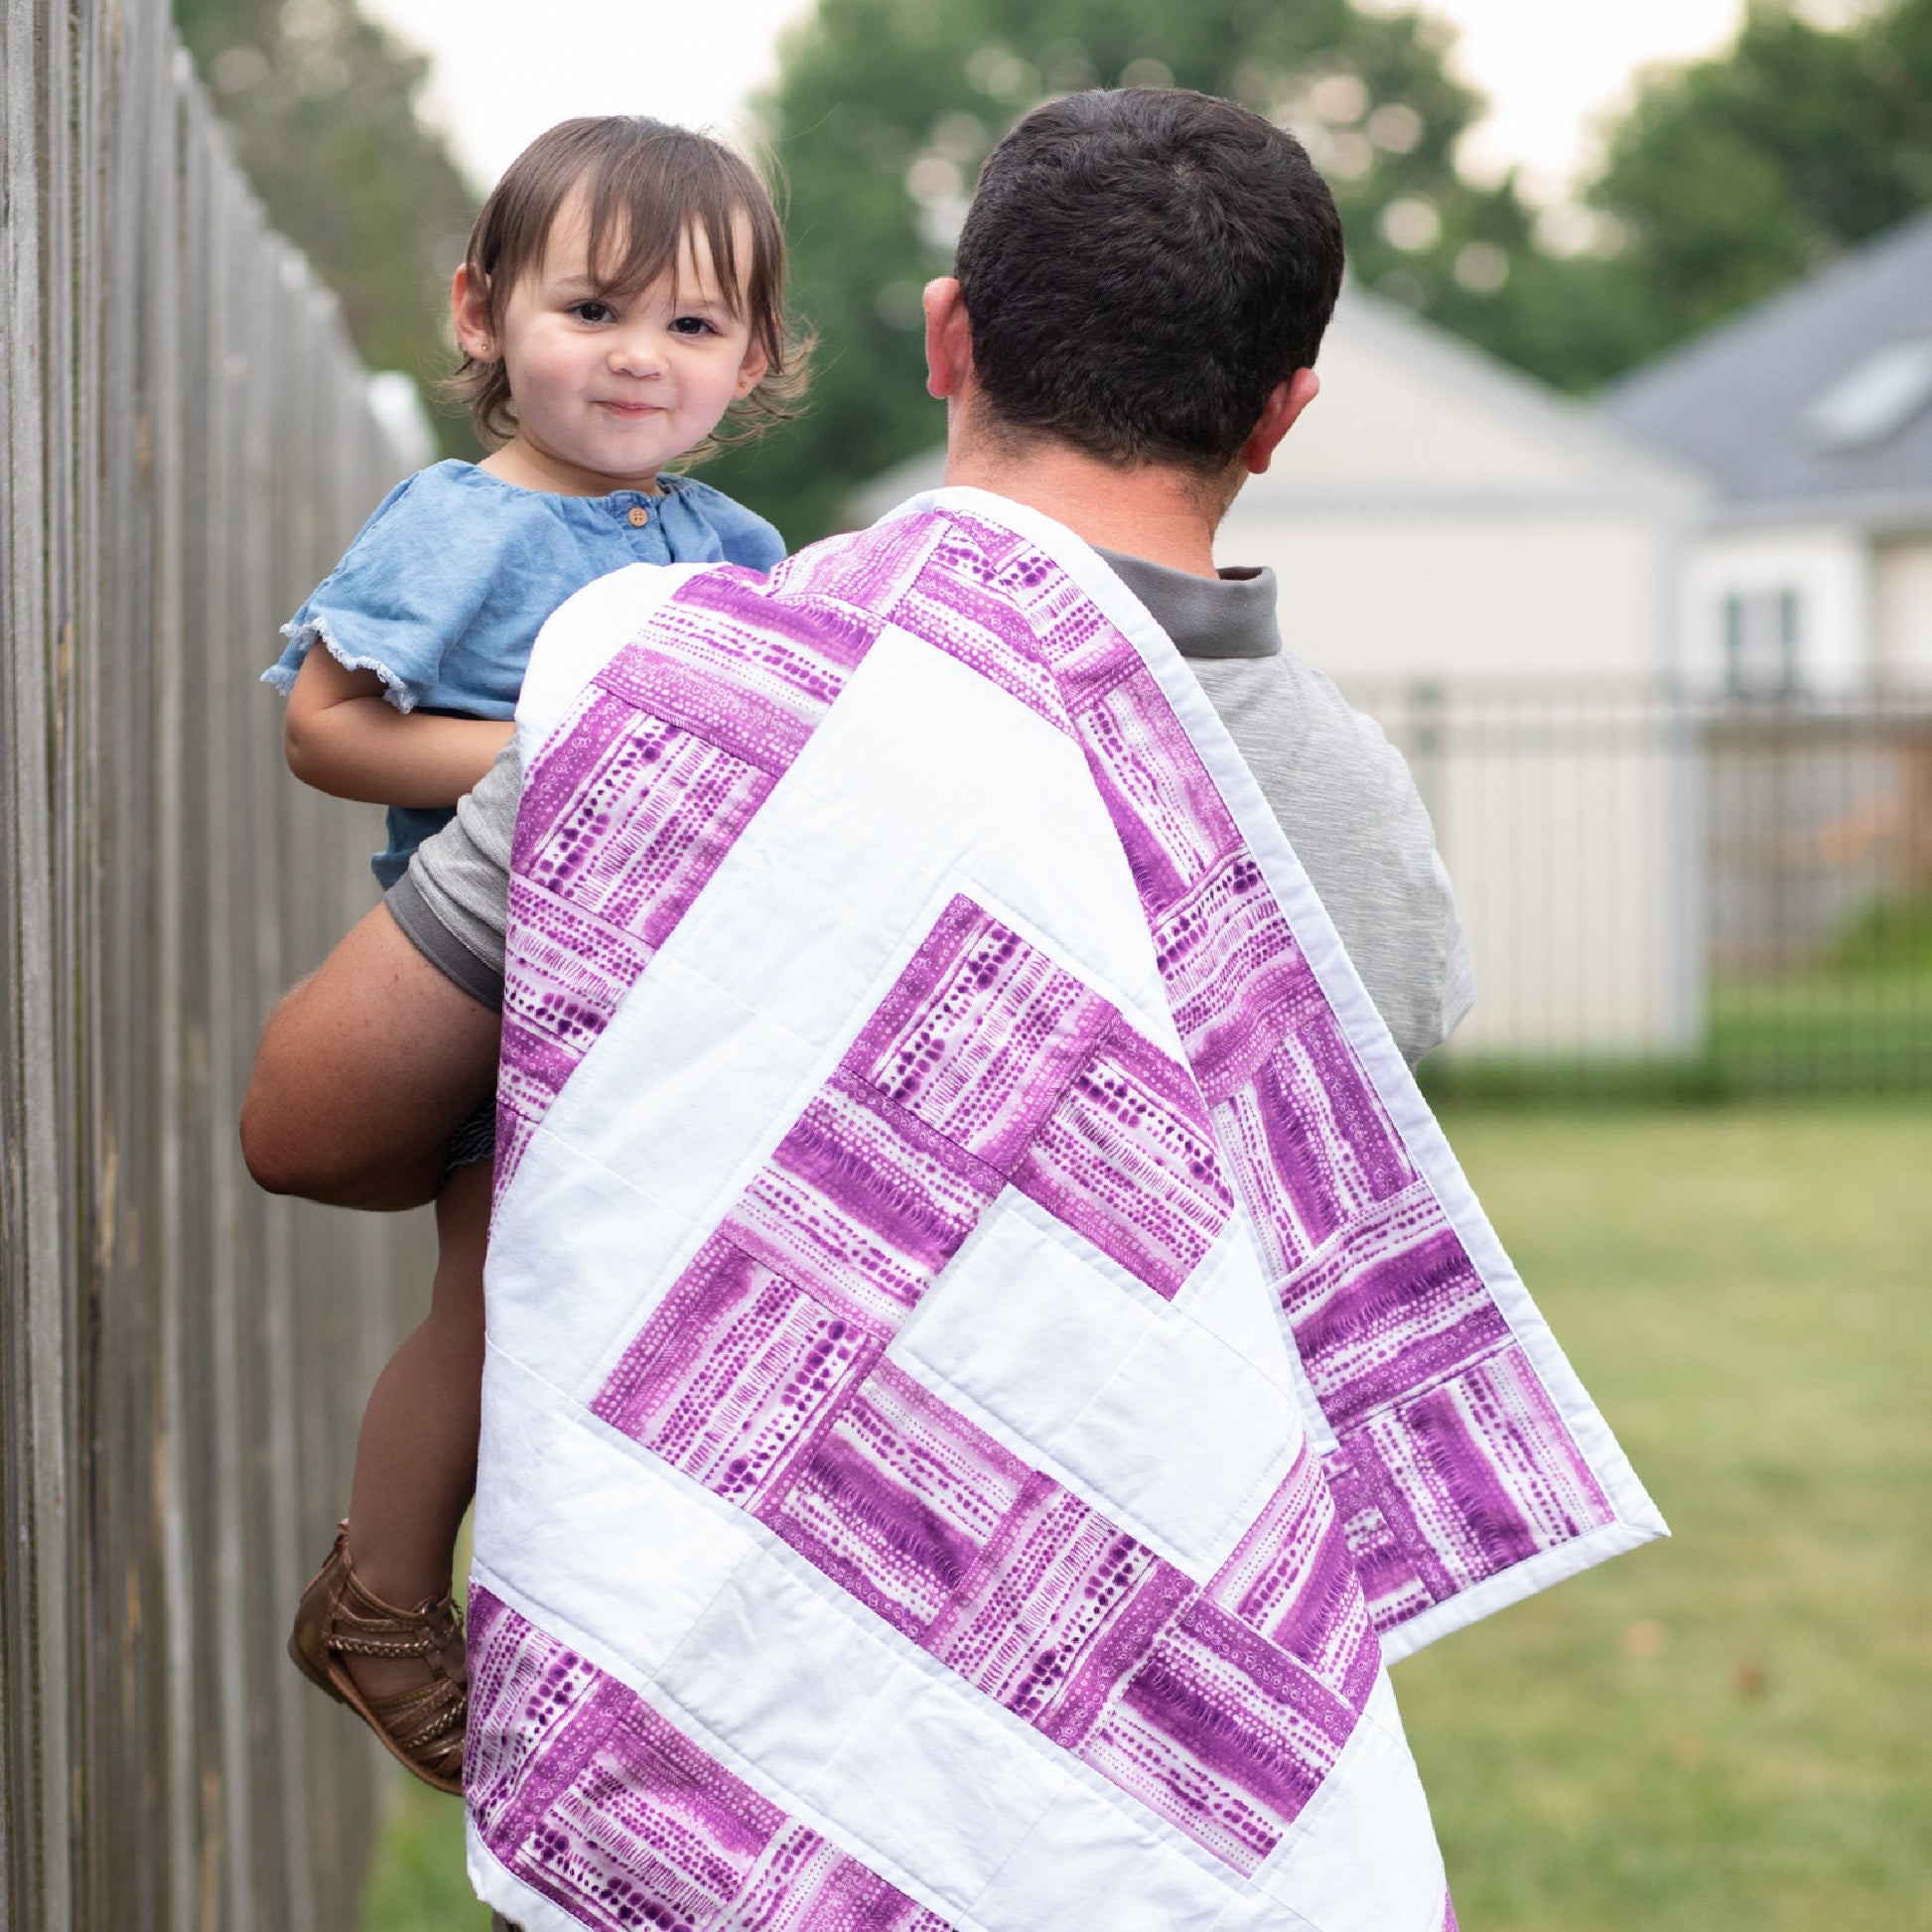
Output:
x=469 y=316
x=1286 y=401
x=948 y=338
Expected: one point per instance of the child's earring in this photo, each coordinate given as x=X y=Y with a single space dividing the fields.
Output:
x=469 y=316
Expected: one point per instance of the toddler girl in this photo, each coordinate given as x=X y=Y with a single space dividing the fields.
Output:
x=621 y=296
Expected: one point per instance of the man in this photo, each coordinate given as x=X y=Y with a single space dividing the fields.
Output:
x=927 y=1065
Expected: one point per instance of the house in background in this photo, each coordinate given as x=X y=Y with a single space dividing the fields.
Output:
x=1812 y=415
x=1437 y=516
x=1492 y=570
x=1807 y=601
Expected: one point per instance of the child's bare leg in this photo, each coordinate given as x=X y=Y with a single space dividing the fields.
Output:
x=416 y=1457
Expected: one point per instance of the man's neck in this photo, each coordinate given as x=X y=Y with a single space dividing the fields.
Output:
x=1146 y=511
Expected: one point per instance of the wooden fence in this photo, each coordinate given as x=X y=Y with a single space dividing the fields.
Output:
x=186 y=445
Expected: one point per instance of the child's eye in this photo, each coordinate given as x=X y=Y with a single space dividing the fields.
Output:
x=692 y=325
x=592 y=311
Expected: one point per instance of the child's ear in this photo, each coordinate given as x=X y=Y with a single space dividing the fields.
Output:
x=469 y=316
x=750 y=371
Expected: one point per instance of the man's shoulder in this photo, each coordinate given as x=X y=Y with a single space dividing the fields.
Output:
x=1295 y=707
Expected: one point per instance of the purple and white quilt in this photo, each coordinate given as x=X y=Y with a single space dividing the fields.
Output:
x=989 y=1353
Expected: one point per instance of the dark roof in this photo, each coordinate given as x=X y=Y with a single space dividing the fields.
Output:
x=1742 y=399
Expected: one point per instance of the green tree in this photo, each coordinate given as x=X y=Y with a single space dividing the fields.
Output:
x=1731 y=178
x=322 y=104
x=883 y=110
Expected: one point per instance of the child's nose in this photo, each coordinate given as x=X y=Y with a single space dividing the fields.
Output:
x=635 y=354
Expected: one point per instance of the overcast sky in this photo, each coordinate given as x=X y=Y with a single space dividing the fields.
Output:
x=506 y=70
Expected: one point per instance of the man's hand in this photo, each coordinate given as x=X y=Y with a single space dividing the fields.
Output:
x=363 y=1072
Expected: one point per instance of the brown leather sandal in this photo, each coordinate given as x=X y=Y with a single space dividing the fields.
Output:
x=422 y=1728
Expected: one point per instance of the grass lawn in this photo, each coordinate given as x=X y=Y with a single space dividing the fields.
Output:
x=418 y=1884
x=1729 y=1730
x=1800 y=1035
x=1726 y=1732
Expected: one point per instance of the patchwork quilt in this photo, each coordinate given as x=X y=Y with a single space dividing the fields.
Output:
x=990 y=1355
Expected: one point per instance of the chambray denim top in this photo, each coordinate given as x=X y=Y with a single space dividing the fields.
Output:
x=445 y=590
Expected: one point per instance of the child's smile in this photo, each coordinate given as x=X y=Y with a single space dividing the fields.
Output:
x=610 y=386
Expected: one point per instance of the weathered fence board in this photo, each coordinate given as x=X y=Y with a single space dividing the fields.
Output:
x=185 y=448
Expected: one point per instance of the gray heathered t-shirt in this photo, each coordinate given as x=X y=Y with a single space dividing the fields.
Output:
x=1339 y=788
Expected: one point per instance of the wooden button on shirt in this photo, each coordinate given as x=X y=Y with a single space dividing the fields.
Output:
x=640 y=516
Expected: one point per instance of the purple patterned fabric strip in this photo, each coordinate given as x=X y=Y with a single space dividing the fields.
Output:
x=634 y=801
x=1373 y=1280
x=592 y=1799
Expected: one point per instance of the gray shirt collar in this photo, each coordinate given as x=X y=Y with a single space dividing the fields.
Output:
x=1229 y=616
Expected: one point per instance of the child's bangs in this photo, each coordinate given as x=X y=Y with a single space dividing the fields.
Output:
x=642 y=207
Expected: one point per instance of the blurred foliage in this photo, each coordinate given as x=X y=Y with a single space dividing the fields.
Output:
x=1728 y=179
x=417 y=1882
x=1731 y=177
x=322 y=104
x=885 y=108
x=1891 y=933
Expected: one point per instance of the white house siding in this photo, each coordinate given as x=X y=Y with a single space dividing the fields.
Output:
x=1901 y=595
x=1459 y=591
x=1405 y=408
x=1827 y=567
x=1565 y=826
x=1554 y=815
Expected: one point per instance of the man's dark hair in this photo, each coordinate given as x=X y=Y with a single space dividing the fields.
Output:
x=1141 y=266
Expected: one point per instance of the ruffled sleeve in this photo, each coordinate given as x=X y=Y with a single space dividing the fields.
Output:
x=410 y=586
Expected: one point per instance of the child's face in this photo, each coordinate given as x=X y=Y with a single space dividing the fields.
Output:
x=608 y=388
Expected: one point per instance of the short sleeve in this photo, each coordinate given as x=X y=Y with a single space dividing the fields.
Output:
x=408 y=588
x=453 y=900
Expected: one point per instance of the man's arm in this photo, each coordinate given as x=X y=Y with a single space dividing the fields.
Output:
x=363 y=1072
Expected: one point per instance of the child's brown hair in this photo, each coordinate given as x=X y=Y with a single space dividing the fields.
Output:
x=647 y=185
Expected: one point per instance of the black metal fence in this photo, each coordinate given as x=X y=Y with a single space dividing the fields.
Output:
x=1667 y=893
